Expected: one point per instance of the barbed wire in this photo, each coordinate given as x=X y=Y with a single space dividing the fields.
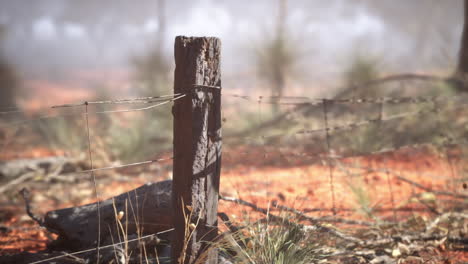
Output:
x=319 y=157
x=68 y=115
x=164 y=99
x=328 y=156
x=351 y=126
x=304 y=100
x=143 y=108
x=122 y=166
x=138 y=100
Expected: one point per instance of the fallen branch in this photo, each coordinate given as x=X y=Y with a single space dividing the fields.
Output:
x=301 y=215
x=398 y=176
x=443 y=217
x=23 y=178
x=427 y=189
x=276 y=218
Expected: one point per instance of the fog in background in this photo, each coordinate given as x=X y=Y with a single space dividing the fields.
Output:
x=53 y=39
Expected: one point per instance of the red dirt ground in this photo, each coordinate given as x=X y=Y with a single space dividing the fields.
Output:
x=260 y=179
x=302 y=187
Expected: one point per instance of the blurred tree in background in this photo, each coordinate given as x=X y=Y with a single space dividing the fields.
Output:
x=152 y=76
x=462 y=67
x=152 y=68
x=276 y=56
x=152 y=73
x=425 y=23
x=360 y=70
x=8 y=78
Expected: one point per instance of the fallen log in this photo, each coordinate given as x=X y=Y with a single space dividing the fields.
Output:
x=145 y=210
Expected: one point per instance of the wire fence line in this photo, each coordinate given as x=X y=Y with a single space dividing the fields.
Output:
x=134 y=164
x=326 y=128
x=372 y=121
x=165 y=99
x=304 y=100
x=327 y=158
x=159 y=100
x=320 y=158
x=139 y=100
x=300 y=100
x=69 y=115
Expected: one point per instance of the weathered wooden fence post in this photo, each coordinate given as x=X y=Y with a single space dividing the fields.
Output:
x=197 y=148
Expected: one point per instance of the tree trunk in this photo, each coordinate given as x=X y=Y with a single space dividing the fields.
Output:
x=197 y=148
x=462 y=68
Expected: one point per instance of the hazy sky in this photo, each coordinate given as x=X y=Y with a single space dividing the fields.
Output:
x=53 y=35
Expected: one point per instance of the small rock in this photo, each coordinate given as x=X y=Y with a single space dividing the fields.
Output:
x=384 y=259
